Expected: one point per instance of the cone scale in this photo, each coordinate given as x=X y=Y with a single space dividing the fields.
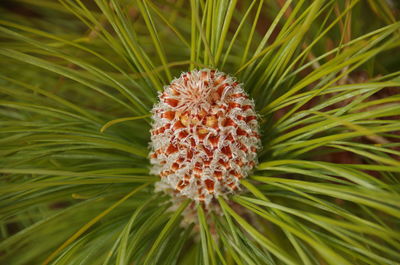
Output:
x=204 y=136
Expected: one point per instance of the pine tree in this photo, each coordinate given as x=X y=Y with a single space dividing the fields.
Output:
x=80 y=177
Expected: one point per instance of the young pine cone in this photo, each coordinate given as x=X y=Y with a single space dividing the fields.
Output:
x=205 y=135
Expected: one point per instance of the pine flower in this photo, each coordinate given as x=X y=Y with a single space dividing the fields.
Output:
x=205 y=135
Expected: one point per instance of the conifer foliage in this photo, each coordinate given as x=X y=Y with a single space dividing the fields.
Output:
x=295 y=119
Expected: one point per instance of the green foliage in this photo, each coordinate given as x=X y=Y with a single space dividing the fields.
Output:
x=77 y=82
